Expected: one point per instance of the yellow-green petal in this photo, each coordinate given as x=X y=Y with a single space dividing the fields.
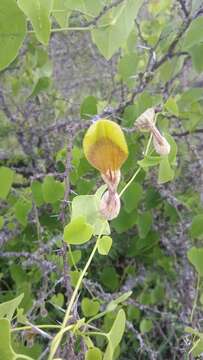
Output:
x=105 y=146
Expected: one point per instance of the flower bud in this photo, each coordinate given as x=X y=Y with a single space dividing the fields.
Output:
x=161 y=145
x=145 y=121
x=110 y=205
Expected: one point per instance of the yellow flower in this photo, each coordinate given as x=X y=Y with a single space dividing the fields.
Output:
x=105 y=146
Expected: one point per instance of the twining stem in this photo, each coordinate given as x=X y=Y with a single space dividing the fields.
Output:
x=21 y=356
x=28 y=327
x=196 y=298
x=59 y=335
x=139 y=168
x=74 y=28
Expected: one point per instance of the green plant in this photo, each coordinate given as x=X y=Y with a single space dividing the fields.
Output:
x=93 y=230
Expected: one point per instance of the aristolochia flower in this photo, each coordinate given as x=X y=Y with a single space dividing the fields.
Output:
x=105 y=146
x=106 y=149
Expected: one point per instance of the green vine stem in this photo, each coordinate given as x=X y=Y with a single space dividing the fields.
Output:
x=57 y=339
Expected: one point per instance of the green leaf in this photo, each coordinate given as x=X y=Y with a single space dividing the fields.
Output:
x=41 y=85
x=115 y=26
x=109 y=278
x=165 y=172
x=127 y=67
x=6 y=179
x=12 y=33
x=58 y=299
x=87 y=7
x=88 y=206
x=146 y=325
x=114 y=303
x=104 y=245
x=89 y=307
x=38 y=12
x=88 y=107
x=8 y=308
x=196 y=229
x=74 y=277
x=115 y=335
x=171 y=106
x=194 y=33
x=195 y=256
x=133 y=313
x=1 y=222
x=78 y=231
x=93 y=354
x=124 y=221
x=6 y=350
x=53 y=190
x=22 y=209
x=174 y=149
x=196 y=53
x=149 y=161
x=144 y=223
x=198 y=348
x=74 y=257
x=37 y=193
x=132 y=197
x=63 y=12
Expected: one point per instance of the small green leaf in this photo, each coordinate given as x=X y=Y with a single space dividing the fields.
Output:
x=104 y=245
x=166 y=173
x=196 y=53
x=22 y=209
x=88 y=107
x=115 y=26
x=12 y=33
x=195 y=256
x=93 y=354
x=171 y=106
x=198 y=348
x=146 y=325
x=127 y=68
x=149 y=161
x=174 y=149
x=1 y=222
x=37 y=193
x=113 y=304
x=6 y=179
x=90 y=307
x=78 y=231
x=144 y=223
x=52 y=189
x=74 y=277
x=196 y=229
x=194 y=33
x=74 y=257
x=38 y=12
x=124 y=221
x=115 y=335
x=132 y=197
x=58 y=299
x=88 y=206
x=41 y=85
x=8 y=308
x=109 y=278
x=61 y=12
